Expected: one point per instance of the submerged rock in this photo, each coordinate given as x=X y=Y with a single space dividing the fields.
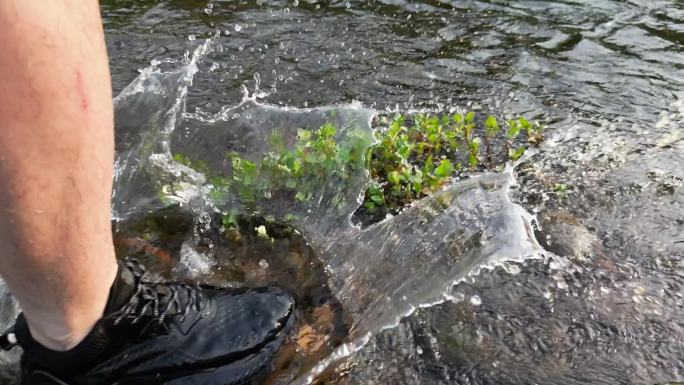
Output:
x=563 y=234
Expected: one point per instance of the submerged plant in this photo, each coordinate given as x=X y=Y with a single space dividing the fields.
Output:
x=300 y=171
x=533 y=132
x=316 y=163
x=414 y=156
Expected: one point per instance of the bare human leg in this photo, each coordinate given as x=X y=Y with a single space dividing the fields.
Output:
x=86 y=320
x=56 y=155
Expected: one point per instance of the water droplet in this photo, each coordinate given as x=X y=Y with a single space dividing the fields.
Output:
x=238 y=28
x=562 y=285
x=263 y=264
x=257 y=80
x=295 y=3
x=209 y=9
x=192 y=37
x=261 y=231
x=476 y=300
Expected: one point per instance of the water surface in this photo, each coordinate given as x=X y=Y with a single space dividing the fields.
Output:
x=605 y=305
x=584 y=286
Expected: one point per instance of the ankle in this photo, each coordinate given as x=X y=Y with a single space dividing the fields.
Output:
x=63 y=328
x=59 y=340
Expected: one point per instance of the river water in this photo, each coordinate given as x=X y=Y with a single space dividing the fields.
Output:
x=499 y=279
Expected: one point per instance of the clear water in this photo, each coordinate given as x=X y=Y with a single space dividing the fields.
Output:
x=380 y=273
x=499 y=279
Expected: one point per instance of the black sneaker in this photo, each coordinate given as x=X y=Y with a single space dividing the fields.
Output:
x=157 y=332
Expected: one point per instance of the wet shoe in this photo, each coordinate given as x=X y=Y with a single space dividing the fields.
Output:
x=157 y=332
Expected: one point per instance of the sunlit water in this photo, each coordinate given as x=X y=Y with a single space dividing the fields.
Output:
x=499 y=279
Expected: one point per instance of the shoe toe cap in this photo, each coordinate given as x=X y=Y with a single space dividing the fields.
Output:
x=250 y=319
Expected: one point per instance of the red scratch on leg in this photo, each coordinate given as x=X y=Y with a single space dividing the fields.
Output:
x=80 y=87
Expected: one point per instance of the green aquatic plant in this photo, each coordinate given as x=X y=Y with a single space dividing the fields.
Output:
x=413 y=157
x=292 y=171
x=195 y=164
x=219 y=186
x=416 y=155
x=300 y=171
x=560 y=188
x=533 y=132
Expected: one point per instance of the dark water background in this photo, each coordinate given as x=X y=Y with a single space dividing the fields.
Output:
x=606 y=304
x=601 y=60
x=607 y=76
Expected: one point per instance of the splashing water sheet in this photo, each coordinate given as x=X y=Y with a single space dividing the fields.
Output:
x=381 y=273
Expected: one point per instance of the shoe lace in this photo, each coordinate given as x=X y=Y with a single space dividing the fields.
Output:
x=147 y=297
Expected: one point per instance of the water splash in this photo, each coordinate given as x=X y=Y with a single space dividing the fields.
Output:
x=9 y=309
x=381 y=273
x=410 y=261
x=147 y=112
x=248 y=130
x=414 y=258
